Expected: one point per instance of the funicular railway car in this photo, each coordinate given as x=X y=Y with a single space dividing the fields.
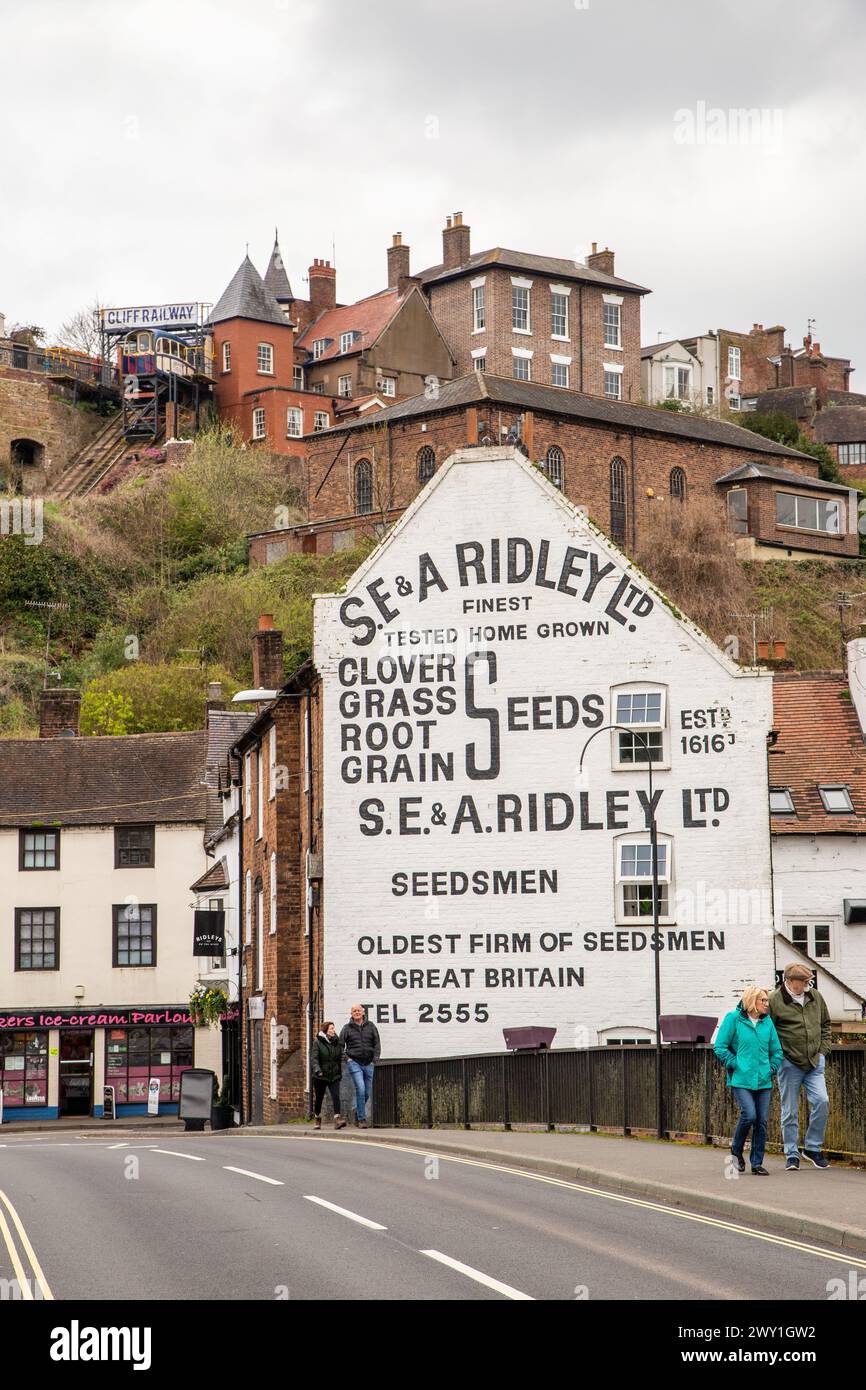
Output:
x=160 y=371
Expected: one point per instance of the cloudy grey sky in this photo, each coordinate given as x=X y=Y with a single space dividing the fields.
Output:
x=144 y=145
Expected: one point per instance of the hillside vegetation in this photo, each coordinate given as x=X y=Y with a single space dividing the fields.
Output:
x=158 y=597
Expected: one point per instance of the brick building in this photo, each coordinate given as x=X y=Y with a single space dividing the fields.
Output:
x=537 y=318
x=280 y=818
x=617 y=460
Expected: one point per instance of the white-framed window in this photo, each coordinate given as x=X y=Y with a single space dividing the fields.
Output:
x=320 y=346
x=272 y=915
x=852 y=453
x=248 y=908
x=346 y=340
x=479 y=321
x=260 y=430
x=634 y=877
x=272 y=762
x=836 y=799
x=558 y=373
x=643 y=709
x=248 y=785
x=344 y=386
x=612 y=316
x=613 y=385
x=265 y=358
x=813 y=935
x=479 y=360
x=318 y=387
x=781 y=802
x=733 y=402
x=734 y=367
x=558 y=314
x=554 y=465
x=520 y=308
x=227 y=356
x=260 y=935
x=387 y=385
x=808 y=513
x=272 y=1058
x=521 y=365
x=678 y=382
x=321 y=420
x=294 y=422
x=298 y=377
x=260 y=794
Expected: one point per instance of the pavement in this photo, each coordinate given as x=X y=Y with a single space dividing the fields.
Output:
x=826 y=1205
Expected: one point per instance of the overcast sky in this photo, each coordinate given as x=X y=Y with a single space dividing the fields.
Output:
x=144 y=145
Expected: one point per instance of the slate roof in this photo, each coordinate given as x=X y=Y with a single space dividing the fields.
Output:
x=224 y=727
x=820 y=741
x=247 y=297
x=747 y=471
x=369 y=317
x=479 y=387
x=841 y=425
x=109 y=780
x=276 y=279
x=554 y=266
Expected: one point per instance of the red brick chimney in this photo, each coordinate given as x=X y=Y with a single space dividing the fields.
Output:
x=323 y=287
x=59 y=712
x=601 y=260
x=455 y=242
x=398 y=262
x=268 y=673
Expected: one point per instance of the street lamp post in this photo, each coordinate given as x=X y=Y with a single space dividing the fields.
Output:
x=655 y=888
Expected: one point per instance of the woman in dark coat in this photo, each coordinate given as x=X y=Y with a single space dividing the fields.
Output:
x=327 y=1070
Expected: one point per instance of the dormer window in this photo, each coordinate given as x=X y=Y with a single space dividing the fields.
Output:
x=320 y=347
x=347 y=339
x=836 y=800
x=781 y=802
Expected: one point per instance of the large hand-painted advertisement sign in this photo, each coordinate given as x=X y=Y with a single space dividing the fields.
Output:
x=476 y=876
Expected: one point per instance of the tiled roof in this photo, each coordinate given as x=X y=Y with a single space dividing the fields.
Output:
x=215 y=878
x=841 y=425
x=653 y=348
x=276 y=279
x=478 y=387
x=797 y=401
x=747 y=471
x=525 y=260
x=820 y=742
x=224 y=727
x=110 y=780
x=368 y=317
x=247 y=297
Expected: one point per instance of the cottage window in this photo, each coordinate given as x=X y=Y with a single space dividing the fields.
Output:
x=134 y=935
x=37 y=938
x=133 y=846
x=852 y=454
x=39 y=849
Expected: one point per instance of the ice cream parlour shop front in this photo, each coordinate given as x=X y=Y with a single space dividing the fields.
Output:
x=61 y=1062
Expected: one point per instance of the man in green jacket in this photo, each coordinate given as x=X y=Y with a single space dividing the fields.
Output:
x=802 y=1022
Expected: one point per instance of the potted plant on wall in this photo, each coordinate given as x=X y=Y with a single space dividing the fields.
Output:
x=207 y=1004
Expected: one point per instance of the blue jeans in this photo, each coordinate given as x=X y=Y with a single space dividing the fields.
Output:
x=791 y=1078
x=754 y=1109
x=362 y=1075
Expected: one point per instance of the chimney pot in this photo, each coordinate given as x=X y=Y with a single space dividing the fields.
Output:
x=594 y=247
x=266 y=622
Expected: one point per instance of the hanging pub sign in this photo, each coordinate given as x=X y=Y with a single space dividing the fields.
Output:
x=209 y=932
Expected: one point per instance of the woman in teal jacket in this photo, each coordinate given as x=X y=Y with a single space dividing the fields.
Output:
x=749 y=1046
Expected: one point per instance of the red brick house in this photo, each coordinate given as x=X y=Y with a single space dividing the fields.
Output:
x=537 y=318
x=617 y=460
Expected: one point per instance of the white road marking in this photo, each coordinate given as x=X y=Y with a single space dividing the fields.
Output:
x=28 y=1250
x=124 y=1145
x=245 y=1173
x=352 y=1215
x=505 y=1289
x=173 y=1153
x=844 y=1256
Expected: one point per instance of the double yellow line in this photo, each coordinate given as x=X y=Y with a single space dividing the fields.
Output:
x=24 y=1282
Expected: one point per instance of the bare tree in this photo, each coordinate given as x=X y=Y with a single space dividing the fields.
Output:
x=81 y=331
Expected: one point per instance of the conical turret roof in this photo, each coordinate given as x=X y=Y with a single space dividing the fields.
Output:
x=247 y=297
x=276 y=278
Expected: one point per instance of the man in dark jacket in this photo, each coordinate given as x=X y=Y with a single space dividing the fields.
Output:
x=802 y=1021
x=361 y=1042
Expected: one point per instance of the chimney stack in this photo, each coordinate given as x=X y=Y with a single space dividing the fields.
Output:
x=268 y=672
x=398 y=263
x=59 y=712
x=323 y=288
x=455 y=242
x=215 y=695
x=601 y=260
